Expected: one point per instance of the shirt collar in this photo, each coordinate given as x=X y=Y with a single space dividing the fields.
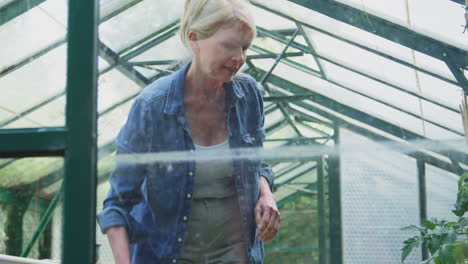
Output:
x=175 y=95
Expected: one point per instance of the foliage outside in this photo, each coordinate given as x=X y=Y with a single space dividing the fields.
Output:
x=446 y=241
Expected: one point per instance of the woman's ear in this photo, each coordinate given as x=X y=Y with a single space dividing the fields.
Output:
x=193 y=40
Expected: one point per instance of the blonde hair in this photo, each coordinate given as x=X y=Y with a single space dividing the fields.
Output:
x=205 y=17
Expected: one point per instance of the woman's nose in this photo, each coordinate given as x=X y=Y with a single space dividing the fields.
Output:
x=239 y=58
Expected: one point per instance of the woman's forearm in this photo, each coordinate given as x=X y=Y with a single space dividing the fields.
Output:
x=118 y=240
x=264 y=187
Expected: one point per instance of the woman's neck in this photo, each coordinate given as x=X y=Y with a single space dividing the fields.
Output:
x=199 y=87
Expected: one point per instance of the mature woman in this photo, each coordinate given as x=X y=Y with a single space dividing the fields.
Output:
x=196 y=212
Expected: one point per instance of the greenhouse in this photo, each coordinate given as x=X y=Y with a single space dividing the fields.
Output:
x=365 y=119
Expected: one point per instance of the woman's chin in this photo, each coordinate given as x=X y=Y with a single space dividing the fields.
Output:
x=226 y=77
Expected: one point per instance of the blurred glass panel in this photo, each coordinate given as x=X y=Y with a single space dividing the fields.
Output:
x=5 y=114
x=361 y=37
x=371 y=88
x=28 y=170
x=51 y=114
x=28 y=188
x=433 y=88
x=392 y=10
x=271 y=21
x=4 y=2
x=307 y=60
x=379 y=191
x=303 y=113
x=432 y=64
x=171 y=49
x=418 y=16
x=102 y=64
x=449 y=30
x=363 y=61
x=348 y=98
x=296 y=195
x=110 y=124
x=137 y=22
x=449 y=119
x=437 y=133
x=113 y=87
x=441 y=193
x=107 y=7
x=34 y=85
x=31 y=32
x=273 y=118
x=283 y=133
x=162 y=58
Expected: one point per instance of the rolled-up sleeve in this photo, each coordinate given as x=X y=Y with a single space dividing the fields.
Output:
x=265 y=169
x=127 y=178
x=267 y=172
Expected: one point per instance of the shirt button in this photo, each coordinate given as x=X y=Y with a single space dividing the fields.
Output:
x=180 y=240
x=174 y=261
x=185 y=218
x=190 y=173
x=189 y=195
x=253 y=139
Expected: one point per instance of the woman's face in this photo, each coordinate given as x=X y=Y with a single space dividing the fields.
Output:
x=222 y=55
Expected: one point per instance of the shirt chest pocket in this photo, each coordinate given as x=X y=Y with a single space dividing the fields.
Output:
x=254 y=138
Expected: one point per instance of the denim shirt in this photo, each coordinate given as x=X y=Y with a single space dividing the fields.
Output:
x=153 y=201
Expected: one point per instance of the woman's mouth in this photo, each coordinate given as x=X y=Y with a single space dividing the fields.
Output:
x=231 y=70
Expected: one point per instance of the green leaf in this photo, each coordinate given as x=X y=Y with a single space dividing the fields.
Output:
x=435 y=257
x=451 y=236
x=458 y=252
x=411 y=228
x=428 y=224
x=461 y=205
x=426 y=261
x=447 y=255
x=462 y=179
x=434 y=243
x=463 y=221
x=410 y=244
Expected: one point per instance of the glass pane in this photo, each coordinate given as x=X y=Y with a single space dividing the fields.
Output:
x=417 y=16
x=347 y=97
x=33 y=67
x=271 y=21
x=379 y=191
x=137 y=22
x=363 y=61
x=36 y=84
x=344 y=31
x=162 y=58
x=28 y=188
x=4 y=2
x=441 y=192
x=297 y=241
x=30 y=33
x=107 y=7
x=449 y=30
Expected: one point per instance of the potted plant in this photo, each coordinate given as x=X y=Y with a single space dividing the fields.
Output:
x=446 y=241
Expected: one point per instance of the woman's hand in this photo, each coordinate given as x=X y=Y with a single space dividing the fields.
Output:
x=267 y=215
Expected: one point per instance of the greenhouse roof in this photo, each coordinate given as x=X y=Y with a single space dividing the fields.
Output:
x=384 y=69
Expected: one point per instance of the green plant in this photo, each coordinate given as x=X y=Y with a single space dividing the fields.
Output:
x=446 y=241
